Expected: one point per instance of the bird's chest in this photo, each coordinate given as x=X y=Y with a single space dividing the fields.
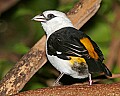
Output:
x=62 y=65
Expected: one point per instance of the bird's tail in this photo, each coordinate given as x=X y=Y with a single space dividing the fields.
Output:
x=106 y=70
x=97 y=67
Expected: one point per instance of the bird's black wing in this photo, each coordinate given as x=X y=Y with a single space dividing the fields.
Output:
x=64 y=43
x=71 y=42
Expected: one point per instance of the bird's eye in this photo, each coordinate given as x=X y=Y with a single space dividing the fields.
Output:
x=50 y=16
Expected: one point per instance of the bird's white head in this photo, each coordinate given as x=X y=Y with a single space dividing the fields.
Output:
x=53 y=20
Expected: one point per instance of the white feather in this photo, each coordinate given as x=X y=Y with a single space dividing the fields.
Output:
x=60 y=21
x=64 y=66
x=58 y=52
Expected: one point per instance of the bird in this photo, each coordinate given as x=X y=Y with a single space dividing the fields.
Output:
x=69 y=50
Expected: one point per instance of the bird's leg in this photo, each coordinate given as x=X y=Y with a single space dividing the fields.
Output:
x=57 y=80
x=90 y=80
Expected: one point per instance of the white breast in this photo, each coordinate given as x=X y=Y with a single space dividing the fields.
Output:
x=60 y=64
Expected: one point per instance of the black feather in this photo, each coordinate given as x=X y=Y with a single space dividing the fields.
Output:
x=106 y=70
x=67 y=41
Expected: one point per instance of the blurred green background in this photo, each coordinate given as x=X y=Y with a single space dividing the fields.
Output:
x=18 y=33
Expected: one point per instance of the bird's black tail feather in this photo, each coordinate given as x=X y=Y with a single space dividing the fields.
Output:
x=97 y=67
x=106 y=70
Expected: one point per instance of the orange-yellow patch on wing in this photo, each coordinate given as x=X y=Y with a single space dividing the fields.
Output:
x=76 y=60
x=88 y=45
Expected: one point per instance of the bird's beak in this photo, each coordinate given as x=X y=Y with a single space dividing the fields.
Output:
x=39 y=18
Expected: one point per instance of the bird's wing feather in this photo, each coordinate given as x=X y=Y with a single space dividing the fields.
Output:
x=71 y=42
x=97 y=49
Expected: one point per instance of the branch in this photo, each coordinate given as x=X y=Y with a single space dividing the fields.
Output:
x=6 y=4
x=31 y=62
x=83 y=11
x=76 y=90
x=20 y=74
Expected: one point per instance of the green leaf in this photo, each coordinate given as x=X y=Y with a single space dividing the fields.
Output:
x=22 y=12
x=36 y=85
x=100 y=32
x=20 y=48
x=5 y=66
x=42 y=5
x=106 y=6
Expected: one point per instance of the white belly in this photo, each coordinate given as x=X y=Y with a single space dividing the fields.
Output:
x=64 y=66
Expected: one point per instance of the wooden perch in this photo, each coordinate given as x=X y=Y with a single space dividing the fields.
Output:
x=76 y=90
x=31 y=62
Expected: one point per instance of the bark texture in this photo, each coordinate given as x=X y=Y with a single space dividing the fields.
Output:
x=76 y=90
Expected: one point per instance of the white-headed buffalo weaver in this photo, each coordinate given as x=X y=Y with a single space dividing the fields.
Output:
x=69 y=50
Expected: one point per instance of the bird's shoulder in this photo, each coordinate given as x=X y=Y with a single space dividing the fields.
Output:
x=67 y=31
x=66 y=42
